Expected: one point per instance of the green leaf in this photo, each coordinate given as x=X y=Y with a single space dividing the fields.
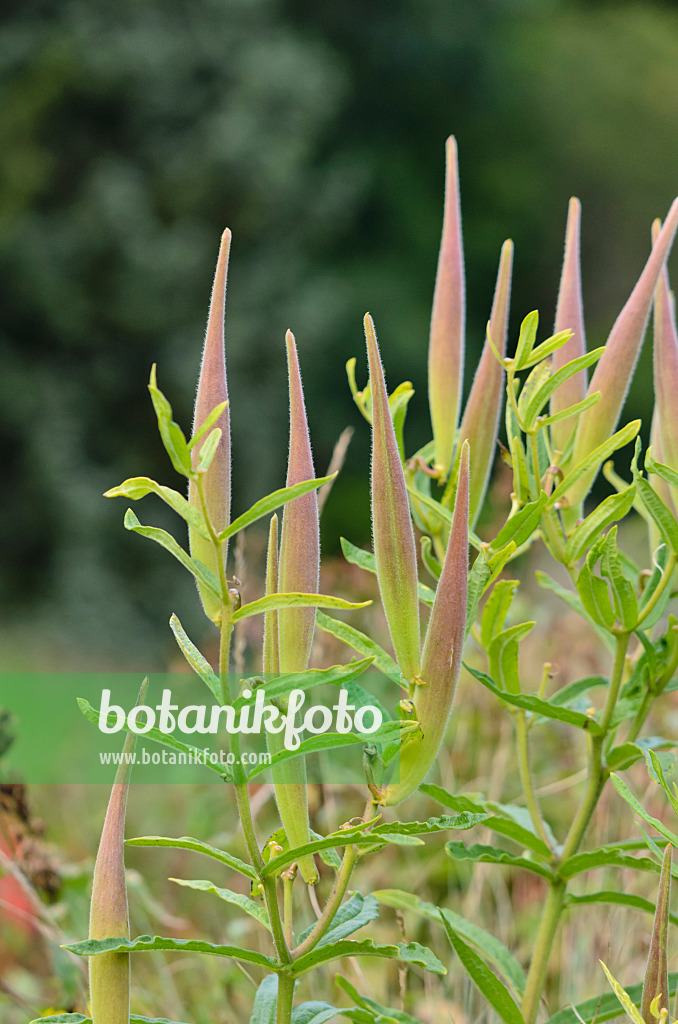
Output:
x=593 y=591
x=199 y=571
x=526 y=339
x=355 y=913
x=208 y=450
x=271 y=502
x=601 y=1007
x=359 y=642
x=539 y=375
x=489 y=946
x=520 y=526
x=504 y=819
x=636 y=806
x=378 y=1014
x=207 y=424
x=663 y=517
x=624 y=899
x=388 y=732
x=139 y=486
x=343 y=837
x=171 y=434
x=410 y=953
x=266 y=1001
x=521 y=477
x=545 y=390
x=594 y=459
x=611 y=855
x=503 y=656
x=611 y=509
x=537 y=706
x=487 y=983
x=572 y=410
x=660 y=561
x=280 y=686
x=547 y=347
x=250 y=906
x=195 y=845
x=148 y=943
x=483 y=854
x=195 y=658
x=165 y=739
x=623 y=595
x=459 y=822
x=574 y=602
x=365 y=560
x=314 y=1012
x=496 y=609
x=665 y=472
x=273 y=602
x=429 y=559
x=626 y=754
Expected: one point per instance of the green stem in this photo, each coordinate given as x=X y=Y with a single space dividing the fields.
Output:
x=526 y=778
x=548 y=926
x=285 y=1003
x=555 y=901
x=333 y=903
x=288 y=908
x=664 y=582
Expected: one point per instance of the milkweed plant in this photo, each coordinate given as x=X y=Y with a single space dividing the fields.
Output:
x=449 y=600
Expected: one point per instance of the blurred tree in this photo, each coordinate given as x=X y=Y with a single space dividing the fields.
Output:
x=133 y=133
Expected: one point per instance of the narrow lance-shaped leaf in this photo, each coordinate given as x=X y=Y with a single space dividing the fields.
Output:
x=212 y=391
x=480 y=422
x=569 y=317
x=443 y=645
x=109 y=976
x=298 y=570
x=394 y=547
x=613 y=373
x=665 y=375
x=656 y=983
x=662 y=488
x=446 y=346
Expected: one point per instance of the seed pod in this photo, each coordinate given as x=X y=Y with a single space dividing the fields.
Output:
x=393 y=534
x=480 y=423
x=614 y=371
x=446 y=345
x=212 y=391
x=298 y=571
x=665 y=358
x=442 y=653
x=109 y=973
x=569 y=317
x=656 y=983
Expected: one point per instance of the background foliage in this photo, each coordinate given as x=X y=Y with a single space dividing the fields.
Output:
x=133 y=133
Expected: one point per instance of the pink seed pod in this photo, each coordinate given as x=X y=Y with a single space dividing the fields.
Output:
x=212 y=391
x=298 y=571
x=656 y=983
x=443 y=645
x=448 y=319
x=665 y=361
x=393 y=534
x=109 y=973
x=480 y=423
x=569 y=317
x=614 y=371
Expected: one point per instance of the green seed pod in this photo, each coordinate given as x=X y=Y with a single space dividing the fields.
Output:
x=109 y=973
x=614 y=371
x=480 y=423
x=448 y=317
x=394 y=547
x=656 y=983
x=212 y=391
x=569 y=317
x=298 y=571
x=443 y=645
